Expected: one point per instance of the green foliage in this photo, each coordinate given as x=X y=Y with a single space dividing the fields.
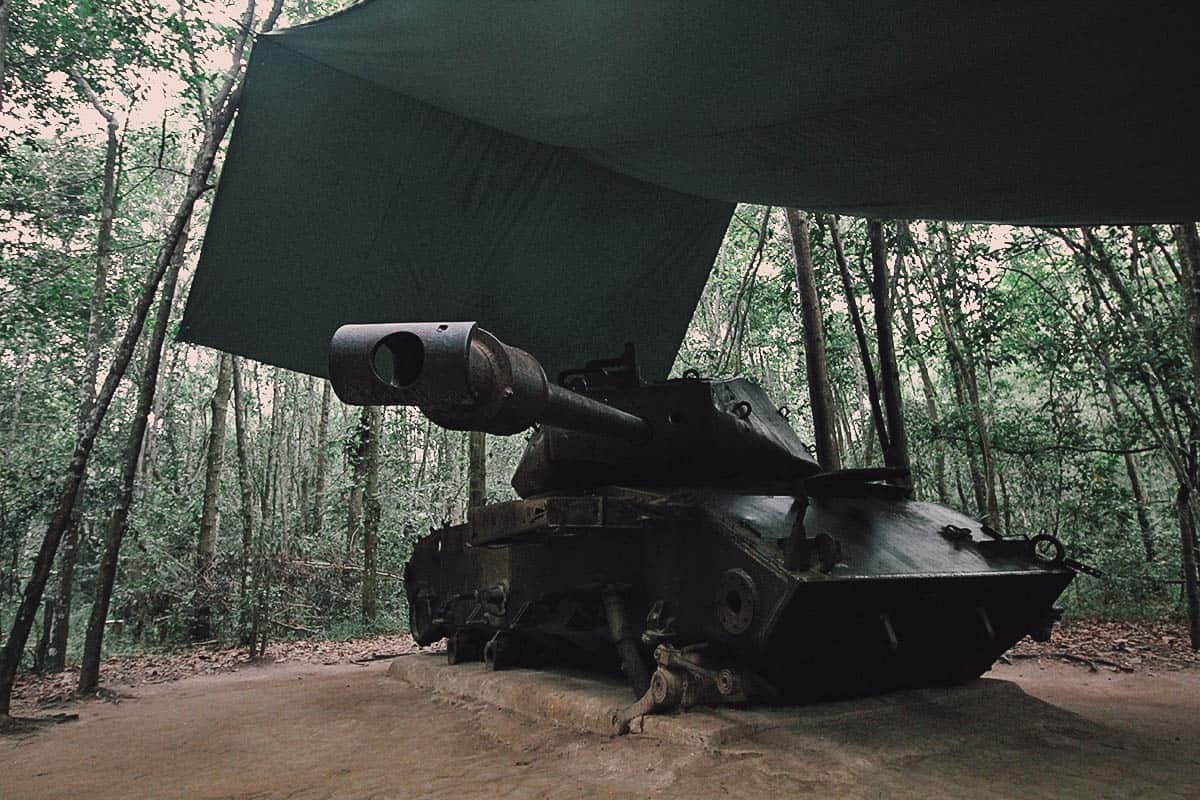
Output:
x=115 y=45
x=1045 y=335
x=1019 y=303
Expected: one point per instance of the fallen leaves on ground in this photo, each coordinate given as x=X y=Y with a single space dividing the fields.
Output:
x=34 y=691
x=1131 y=646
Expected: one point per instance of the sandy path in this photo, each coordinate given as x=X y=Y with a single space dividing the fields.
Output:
x=347 y=731
x=1163 y=706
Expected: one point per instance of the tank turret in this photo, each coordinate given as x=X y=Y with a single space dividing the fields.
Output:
x=599 y=424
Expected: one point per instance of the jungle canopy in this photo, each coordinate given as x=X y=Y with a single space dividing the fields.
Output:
x=564 y=172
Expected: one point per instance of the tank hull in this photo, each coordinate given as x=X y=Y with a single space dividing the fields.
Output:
x=808 y=596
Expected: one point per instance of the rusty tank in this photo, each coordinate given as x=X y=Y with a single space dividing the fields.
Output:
x=680 y=532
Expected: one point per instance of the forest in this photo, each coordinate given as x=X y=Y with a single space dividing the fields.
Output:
x=154 y=494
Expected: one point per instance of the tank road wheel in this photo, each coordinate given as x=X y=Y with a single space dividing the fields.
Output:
x=462 y=647
x=501 y=652
x=424 y=630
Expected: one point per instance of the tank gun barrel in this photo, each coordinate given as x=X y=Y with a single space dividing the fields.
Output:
x=463 y=378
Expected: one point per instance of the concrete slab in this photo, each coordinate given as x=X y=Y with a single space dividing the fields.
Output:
x=564 y=698
x=585 y=702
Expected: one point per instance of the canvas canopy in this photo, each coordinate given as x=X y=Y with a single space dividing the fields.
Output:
x=564 y=172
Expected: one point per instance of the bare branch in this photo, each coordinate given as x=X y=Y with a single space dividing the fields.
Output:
x=86 y=88
x=189 y=46
x=223 y=95
x=272 y=17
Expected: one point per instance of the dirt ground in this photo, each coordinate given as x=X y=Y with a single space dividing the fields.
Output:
x=307 y=730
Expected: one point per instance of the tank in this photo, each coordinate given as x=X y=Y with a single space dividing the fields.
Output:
x=680 y=532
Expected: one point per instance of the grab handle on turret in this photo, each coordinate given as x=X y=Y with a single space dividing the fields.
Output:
x=463 y=378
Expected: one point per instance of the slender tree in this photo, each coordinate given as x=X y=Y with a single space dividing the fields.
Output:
x=966 y=387
x=246 y=497
x=477 y=469
x=118 y=523
x=1189 y=284
x=56 y=655
x=895 y=449
x=928 y=389
x=819 y=388
x=261 y=570
x=358 y=454
x=860 y=337
x=318 y=509
x=223 y=107
x=1187 y=500
x=210 y=512
x=372 y=515
x=3 y=46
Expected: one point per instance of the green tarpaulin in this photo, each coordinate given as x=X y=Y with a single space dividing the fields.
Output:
x=563 y=172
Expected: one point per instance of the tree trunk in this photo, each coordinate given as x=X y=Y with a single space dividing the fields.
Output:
x=223 y=109
x=266 y=500
x=206 y=549
x=322 y=444
x=1007 y=506
x=966 y=392
x=372 y=514
x=118 y=523
x=867 y=437
x=263 y=571
x=860 y=336
x=168 y=386
x=360 y=445
x=108 y=210
x=3 y=46
x=1187 y=548
x=1141 y=504
x=477 y=469
x=11 y=654
x=56 y=654
x=285 y=465
x=426 y=443
x=1095 y=253
x=246 y=494
x=966 y=362
x=962 y=495
x=47 y=631
x=929 y=392
x=210 y=513
x=1188 y=241
x=895 y=453
x=819 y=388
x=10 y=438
